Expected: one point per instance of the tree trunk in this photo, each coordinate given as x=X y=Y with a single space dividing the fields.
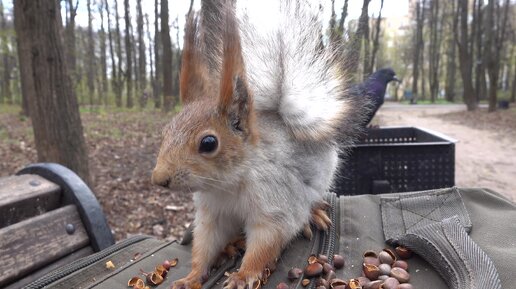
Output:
x=156 y=86
x=168 y=99
x=128 y=54
x=90 y=76
x=151 y=63
x=480 y=69
x=343 y=16
x=417 y=49
x=58 y=132
x=70 y=40
x=495 y=44
x=142 y=63
x=465 y=58
x=451 y=55
x=434 y=49
x=376 y=41
x=6 y=94
x=353 y=53
x=103 y=91
x=119 y=81
x=513 y=89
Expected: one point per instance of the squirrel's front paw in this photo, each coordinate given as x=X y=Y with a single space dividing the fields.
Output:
x=187 y=283
x=243 y=280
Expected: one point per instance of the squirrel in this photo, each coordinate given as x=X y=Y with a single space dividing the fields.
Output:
x=256 y=138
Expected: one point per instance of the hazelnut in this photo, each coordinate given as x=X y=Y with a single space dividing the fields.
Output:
x=353 y=284
x=313 y=270
x=370 y=253
x=330 y=276
x=154 y=278
x=136 y=282
x=373 y=284
x=403 y=252
x=390 y=283
x=321 y=282
x=363 y=280
x=294 y=274
x=371 y=271
x=383 y=277
x=312 y=259
x=400 y=274
x=405 y=286
x=401 y=264
x=322 y=258
x=338 y=284
x=327 y=268
x=387 y=256
x=385 y=269
x=305 y=282
x=338 y=261
x=282 y=285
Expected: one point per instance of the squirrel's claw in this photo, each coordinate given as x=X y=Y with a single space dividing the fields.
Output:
x=187 y=283
x=238 y=281
x=320 y=218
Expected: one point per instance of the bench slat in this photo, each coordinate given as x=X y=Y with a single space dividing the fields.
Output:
x=31 y=244
x=26 y=196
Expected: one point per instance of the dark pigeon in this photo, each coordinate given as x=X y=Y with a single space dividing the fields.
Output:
x=374 y=89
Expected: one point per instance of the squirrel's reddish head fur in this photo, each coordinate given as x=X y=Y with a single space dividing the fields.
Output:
x=217 y=120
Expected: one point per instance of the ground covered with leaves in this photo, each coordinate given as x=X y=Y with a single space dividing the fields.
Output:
x=122 y=148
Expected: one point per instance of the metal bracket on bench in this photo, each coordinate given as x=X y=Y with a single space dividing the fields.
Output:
x=76 y=192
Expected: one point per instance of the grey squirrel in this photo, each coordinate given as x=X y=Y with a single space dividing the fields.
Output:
x=255 y=141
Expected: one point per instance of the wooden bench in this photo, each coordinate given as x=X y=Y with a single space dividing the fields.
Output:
x=48 y=218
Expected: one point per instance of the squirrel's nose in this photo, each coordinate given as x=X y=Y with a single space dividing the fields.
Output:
x=160 y=178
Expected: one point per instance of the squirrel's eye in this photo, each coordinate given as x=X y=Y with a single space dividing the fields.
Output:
x=208 y=144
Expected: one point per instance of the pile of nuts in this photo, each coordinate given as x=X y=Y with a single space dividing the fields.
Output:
x=153 y=278
x=381 y=270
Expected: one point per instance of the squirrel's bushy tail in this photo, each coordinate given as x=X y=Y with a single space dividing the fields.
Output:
x=290 y=70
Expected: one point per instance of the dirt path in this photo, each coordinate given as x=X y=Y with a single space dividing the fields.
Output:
x=484 y=157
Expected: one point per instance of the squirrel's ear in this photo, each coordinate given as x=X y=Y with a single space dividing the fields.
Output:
x=194 y=74
x=235 y=99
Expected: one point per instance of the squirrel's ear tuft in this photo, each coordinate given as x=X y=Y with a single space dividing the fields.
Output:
x=235 y=99
x=194 y=74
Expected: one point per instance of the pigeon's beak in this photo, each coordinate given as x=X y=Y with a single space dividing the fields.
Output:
x=396 y=79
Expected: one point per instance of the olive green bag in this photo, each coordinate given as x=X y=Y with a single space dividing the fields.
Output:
x=464 y=238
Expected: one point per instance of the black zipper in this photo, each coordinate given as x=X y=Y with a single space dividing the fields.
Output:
x=82 y=263
x=328 y=240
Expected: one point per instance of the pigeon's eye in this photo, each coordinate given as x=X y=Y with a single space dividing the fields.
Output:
x=208 y=144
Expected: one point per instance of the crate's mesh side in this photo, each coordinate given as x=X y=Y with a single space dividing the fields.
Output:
x=391 y=135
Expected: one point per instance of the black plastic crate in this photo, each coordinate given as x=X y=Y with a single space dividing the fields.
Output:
x=397 y=159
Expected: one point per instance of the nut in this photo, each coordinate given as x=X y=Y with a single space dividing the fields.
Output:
x=370 y=253
x=353 y=284
x=330 y=276
x=405 y=286
x=401 y=264
x=312 y=259
x=282 y=285
x=313 y=270
x=338 y=261
x=294 y=274
x=370 y=257
x=338 y=284
x=400 y=274
x=383 y=277
x=321 y=282
x=363 y=280
x=385 y=269
x=305 y=282
x=154 y=278
x=322 y=258
x=327 y=268
x=371 y=271
x=136 y=281
x=390 y=283
x=403 y=252
x=373 y=284
x=110 y=265
x=387 y=256
x=160 y=269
